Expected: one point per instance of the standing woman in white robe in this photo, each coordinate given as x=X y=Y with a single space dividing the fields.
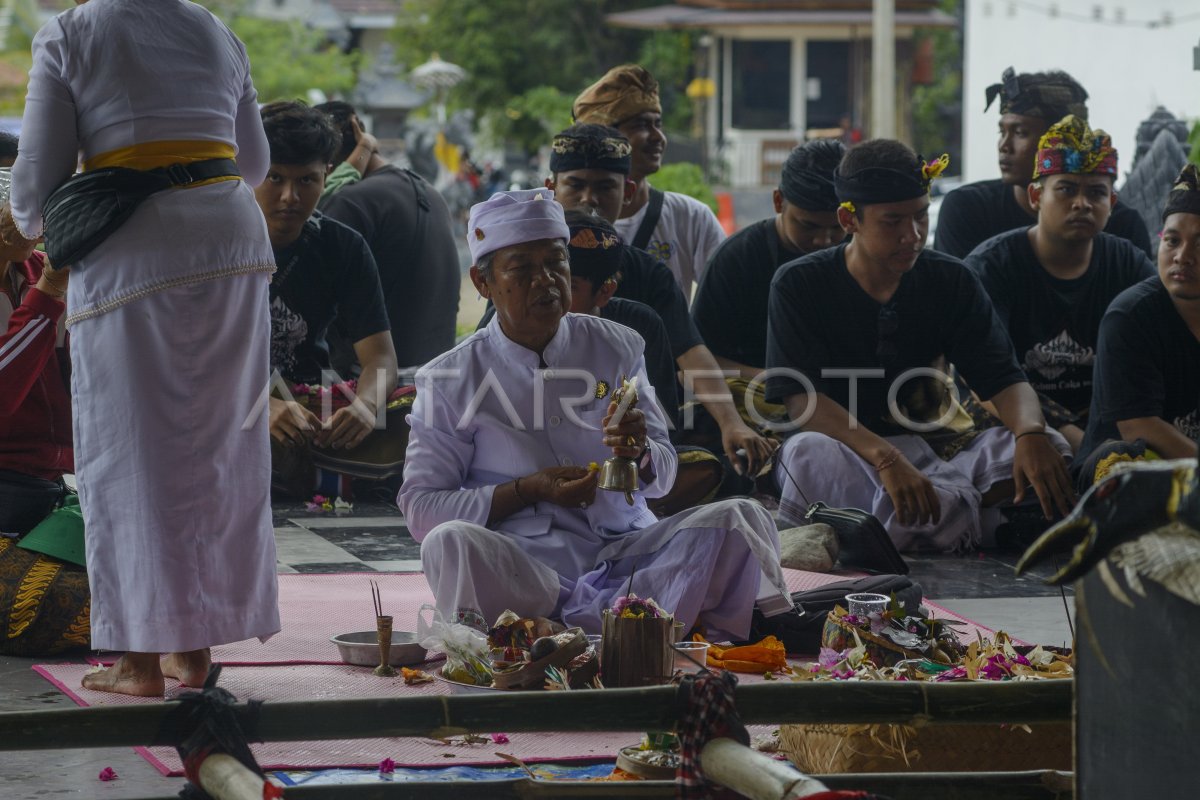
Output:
x=169 y=331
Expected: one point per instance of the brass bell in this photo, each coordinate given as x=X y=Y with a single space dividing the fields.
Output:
x=617 y=473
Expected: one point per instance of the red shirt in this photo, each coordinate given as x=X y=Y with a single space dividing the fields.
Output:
x=35 y=406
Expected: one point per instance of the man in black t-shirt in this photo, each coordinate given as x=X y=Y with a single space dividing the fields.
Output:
x=854 y=333
x=325 y=271
x=1029 y=105
x=1147 y=384
x=730 y=307
x=1051 y=283
x=595 y=274
x=589 y=165
x=411 y=235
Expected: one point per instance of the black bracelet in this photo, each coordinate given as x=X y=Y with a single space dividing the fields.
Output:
x=1031 y=433
x=517 y=489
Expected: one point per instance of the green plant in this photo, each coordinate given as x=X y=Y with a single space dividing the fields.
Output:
x=1194 y=141
x=531 y=118
x=288 y=58
x=685 y=178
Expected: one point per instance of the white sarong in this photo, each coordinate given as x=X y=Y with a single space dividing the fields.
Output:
x=175 y=489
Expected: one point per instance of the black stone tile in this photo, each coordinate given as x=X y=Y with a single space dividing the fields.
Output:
x=374 y=544
x=348 y=566
x=283 y=510
x=979 y=574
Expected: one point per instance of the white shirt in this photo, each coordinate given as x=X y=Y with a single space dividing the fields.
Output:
x=486 y=414
x=111 y=74
x=686 y=235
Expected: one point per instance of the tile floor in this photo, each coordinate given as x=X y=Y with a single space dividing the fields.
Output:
x=373 y=536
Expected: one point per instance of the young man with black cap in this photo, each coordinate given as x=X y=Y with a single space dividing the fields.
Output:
x=1052 y=282
x=325 y=273
x=854 y=333
x=588 y=165
x=594 y=250
x=730 y=308
x=1147 y=385
x=679 y=231
x=410 y=232
x=1029 y=105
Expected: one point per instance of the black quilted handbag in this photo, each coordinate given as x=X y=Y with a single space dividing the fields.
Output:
x=87 y=208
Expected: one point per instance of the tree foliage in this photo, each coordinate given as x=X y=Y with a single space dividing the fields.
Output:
x=287 y=59
x=526 y=61
x=937 y=108
x=688 y=179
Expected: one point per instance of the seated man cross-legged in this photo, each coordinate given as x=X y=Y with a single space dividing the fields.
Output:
x=1051 y=283
x=1147 y=391
x=854 y=335
x=325 y=273
x=496 y=484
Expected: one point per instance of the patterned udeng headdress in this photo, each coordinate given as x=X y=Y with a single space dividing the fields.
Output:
x=1071 y=147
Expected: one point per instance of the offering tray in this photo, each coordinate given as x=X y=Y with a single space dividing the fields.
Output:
x=654 y=765
x=532 y=675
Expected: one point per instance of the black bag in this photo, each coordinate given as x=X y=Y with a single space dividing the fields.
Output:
x=863 y=542
x=801 y=632
x=87 y=208
x=820 y=601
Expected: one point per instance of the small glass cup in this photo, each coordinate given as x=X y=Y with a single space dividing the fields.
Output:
x=865 y=604
x=690 y=656
x=594 y=640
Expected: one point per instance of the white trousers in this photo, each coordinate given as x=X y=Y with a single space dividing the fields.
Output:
x=707 y=565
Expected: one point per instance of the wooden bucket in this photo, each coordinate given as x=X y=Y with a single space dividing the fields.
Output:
x=636 y=652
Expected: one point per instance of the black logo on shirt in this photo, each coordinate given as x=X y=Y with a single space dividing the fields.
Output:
x=1051 y=359
x=1189 y=426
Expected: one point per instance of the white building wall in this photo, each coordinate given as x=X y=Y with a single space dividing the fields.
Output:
x=1127 y=69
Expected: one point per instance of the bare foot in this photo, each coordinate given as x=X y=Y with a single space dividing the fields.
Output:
x=137 y=674
x=190 y=668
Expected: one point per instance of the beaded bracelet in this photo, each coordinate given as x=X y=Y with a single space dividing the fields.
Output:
x=891 y=458
x=1030 y=433
x=517 y=489
x=61 y=291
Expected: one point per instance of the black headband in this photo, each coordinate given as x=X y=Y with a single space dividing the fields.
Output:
x=879 y=185
x=1185 y=194
x=569 y=153
x=595 y=253
x=808 y=189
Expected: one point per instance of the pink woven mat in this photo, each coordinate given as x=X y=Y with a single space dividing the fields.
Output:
x=312 y=608
x=318 y=599
x=324 y=682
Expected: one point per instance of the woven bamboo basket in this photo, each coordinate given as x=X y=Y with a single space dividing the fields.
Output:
x=832 y=749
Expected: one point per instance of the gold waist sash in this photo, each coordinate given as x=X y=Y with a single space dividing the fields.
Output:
x=152 y=155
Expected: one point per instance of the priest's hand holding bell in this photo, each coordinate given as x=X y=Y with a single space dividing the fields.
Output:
x=625 y=433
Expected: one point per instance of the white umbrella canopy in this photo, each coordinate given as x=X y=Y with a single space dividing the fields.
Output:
x=437 y=74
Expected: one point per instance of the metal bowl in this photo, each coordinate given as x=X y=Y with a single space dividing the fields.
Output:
x=362 y=649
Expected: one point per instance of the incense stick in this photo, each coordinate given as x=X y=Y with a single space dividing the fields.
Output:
x=375 y=598
x=629 y=586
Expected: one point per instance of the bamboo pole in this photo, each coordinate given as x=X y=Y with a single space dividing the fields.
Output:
x=754 y=775
x=226 y=778
x=655 y=708
x=897 y=786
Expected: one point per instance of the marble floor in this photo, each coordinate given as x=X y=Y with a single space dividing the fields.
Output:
x=373 y=536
